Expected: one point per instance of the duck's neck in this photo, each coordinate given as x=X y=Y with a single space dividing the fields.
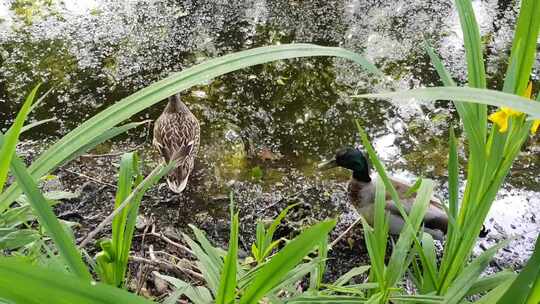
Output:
x=361 y=176
x=176 y=106
x=361 y=193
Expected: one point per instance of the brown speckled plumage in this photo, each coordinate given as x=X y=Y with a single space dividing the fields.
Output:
x=177 y=134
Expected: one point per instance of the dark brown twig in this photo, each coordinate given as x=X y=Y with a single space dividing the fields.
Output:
x=89 y=178
x=342 y=235
x=168 y=240
x=168 y=267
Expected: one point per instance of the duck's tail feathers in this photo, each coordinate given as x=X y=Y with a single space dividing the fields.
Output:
x=176 y=186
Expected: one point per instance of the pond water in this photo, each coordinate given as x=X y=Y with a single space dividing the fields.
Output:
x=276 y=120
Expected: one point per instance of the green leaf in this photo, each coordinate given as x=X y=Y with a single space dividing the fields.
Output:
x=473 y=45
x=48 y=220
x=376 y=245
x=24 y=283
x=467 y=111
x=439 y=66
x=7 y=147
x=259 y=242
x=296 y=274
x=357 y=289
x=18 y=238
x=210 y=272
x=35 y=124
x=523 y=51
x=198 y=295
x=326 y=299
x=16 y=216
x=376 y=257
x=140 y=100
x=380 y=220
x=430 y=284
x=412 y=190
x=275 y=270
x=522 y=289
x=102 y=137
x=484 y=96
x=356 y=271
x=397 y=264
x=227 y=285
x=272 y=229
x=316 y=275
x=494 y=295
x=453 y=179
x=210 y=250
x=126 y=177
x=416 y=299
x=475 y=59
x=468 y=276
x=490 y=282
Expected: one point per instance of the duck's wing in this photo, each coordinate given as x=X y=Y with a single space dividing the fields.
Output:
x=159 y=139
x=174 y=134
x=434 y=219
x=402 y=187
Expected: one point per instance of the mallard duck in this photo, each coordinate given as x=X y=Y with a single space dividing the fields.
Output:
x=176 y=135
x=361 y=192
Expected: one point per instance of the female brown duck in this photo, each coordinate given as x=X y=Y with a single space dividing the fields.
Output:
x=177 y=135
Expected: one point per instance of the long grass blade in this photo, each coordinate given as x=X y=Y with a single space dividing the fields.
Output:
x=160 y=90
x=210 y=272
x=7 y=149
x=48 y=220
x=465 y=94
x=24 y=283
x=453 y=183
x=495 y=294
x=227 y=285
x=475 y=59
x=272 y=229
x=296 y=275
x=327 y=300
x=129 y=171
x=35 y=124
x=277 y=268
x=113 y=132
x=523 y=51
x=465 y=280
x=473 y=44
x=429 y=283
x=356 y=271
x=490 y=282
x=212 y=252
x=397 y=264
x=522 y=289
x=198 y=295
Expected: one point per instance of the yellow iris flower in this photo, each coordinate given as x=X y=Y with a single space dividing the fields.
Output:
x=500 y=118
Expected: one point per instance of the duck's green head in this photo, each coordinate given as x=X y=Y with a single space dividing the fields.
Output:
x=352 y=159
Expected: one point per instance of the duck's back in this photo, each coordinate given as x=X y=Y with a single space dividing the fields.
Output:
x=173 y=131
